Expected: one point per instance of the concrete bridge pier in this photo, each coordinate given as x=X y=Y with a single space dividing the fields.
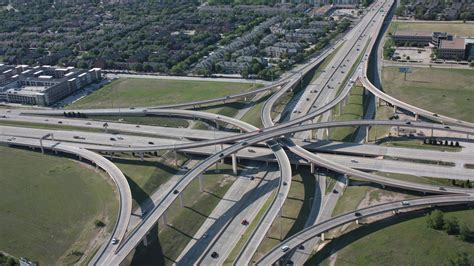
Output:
x=311 y=165
x=416 y=117
x=165 y=218
x=394 y=109
x=145 y=240
x=200 y=183
x=358 y=221
x=323 y=238
x=181 y=200
x=141 y=156
x=367 y=134
x=234 y=164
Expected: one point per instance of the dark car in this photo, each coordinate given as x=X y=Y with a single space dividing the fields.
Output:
x=245 y=222
x=112 y=139
x=221 y=155
x=150 y=142
x=301 y=247
x=215 y=255
x=335 y=191
x=357 y=214
x=175 y=191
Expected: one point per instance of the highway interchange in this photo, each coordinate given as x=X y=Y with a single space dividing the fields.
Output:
x=283 y=139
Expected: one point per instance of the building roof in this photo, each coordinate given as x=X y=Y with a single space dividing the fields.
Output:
x=414 y=33
x=455 y=44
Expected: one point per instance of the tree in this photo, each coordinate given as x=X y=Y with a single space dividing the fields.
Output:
x=451 y=226
x=460 y=259
x=435 y=220
x=465 y=232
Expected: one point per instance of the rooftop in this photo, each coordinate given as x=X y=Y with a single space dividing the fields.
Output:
x=420 y=33
x=455 y=44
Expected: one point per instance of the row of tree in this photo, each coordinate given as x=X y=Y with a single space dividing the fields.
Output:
x=437 y=221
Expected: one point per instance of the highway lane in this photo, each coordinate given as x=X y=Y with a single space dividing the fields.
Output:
x=100 y=141
x=125 y=195
x=148 y=222
x=305 y=235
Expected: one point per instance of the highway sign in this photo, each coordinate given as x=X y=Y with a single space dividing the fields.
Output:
x=405 y=69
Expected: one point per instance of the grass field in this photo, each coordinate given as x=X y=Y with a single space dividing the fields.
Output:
x=444 y=91
x=295 y=211
x=130 y=92
x=185 y=221
x=404 y=240
x=253 y=116
x=48 y=206
x=354 y=110
x=455 y=28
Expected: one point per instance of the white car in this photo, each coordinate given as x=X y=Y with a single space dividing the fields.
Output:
x=405 y=203
x=285 y=248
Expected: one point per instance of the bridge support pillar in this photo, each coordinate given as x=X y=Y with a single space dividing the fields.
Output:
x=398 y=131
x=311 y=165
x=467 y=136
x=394 y=109
x=165 y=218
x=358 y=221
x=234 y=164
x=432 y=132
x=245 y=98
x=80 y=158
x=367 y=134
x=222 y=148
x=145 y=240
x=339 y=108
x=141 y=156
x=52 y=136
x=175 y=157
x=200 y=184
x=394 y=212
x=41 y=146
x=416 y=117
x=323 y=238
x=327 y=133
x=217 y=124
x=181 y=200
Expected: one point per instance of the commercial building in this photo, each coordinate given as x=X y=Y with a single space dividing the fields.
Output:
x=412 y=37
x=42 y=85
x=455 y=49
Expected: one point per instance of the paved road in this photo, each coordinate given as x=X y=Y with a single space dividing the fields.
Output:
x=100 y=141
x=293 y=242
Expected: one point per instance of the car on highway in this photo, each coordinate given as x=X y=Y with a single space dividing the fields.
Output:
x=442 y=188
x=335 y=191
x=354 y=161
x=358 y=214
x=252 y=151
x=245 y=222
x=405 y=203
x=137 y=126
x=285 y=248
x=252 y=177
x=175 y=191
x=204 y=236
x=221 y=155
x=301 y=247
x=112 y=139
x=60 y=122
x=244 y=143
x=447 y=127
x=79 y=137
x=88 y=123
x=215 y=255
x=114 y=241
x=151 y=142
